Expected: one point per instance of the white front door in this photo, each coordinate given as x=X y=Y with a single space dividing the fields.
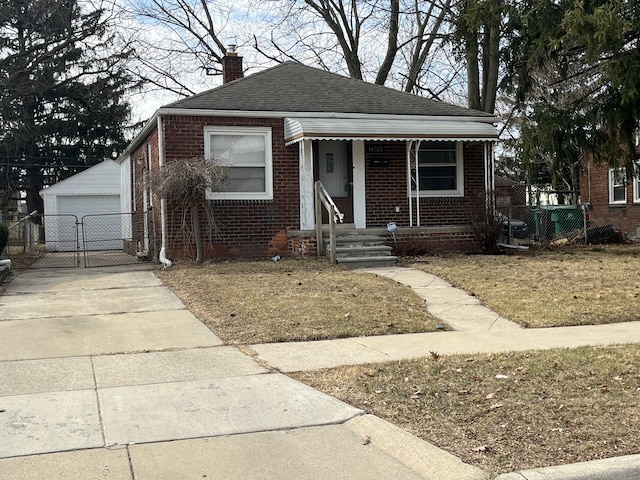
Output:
x=334 y=171
x=333 y=167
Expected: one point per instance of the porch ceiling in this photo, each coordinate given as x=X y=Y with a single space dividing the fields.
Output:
x=297 y=129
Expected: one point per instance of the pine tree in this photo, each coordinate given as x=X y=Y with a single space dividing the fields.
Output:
x=62 y=92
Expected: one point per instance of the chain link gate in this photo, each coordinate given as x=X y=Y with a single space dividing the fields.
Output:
x=64 y=241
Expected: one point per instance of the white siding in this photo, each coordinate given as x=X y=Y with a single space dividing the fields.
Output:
x=96 y=191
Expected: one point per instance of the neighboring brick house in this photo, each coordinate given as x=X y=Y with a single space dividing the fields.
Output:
x=284 y=128
x=611 y=197
x=509 y=193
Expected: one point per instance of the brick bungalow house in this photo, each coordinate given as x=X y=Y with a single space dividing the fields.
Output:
x=382 y=155
x=612 y=198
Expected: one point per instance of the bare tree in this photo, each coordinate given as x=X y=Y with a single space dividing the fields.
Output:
x=478 y=24
x=375 y=40
x=427 y=31
x=179 y=39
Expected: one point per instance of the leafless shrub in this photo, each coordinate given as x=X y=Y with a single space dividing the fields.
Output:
x=487 y=227
x=185 y=182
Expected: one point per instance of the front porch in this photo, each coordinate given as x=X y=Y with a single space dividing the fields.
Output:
x=407 y=241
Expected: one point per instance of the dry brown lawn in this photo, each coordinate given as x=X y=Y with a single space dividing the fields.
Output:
x=248 y=302
x=549 y=287
x=554 y=407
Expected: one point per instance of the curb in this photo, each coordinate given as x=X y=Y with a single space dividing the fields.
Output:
x=425 y=459
x=616 y=468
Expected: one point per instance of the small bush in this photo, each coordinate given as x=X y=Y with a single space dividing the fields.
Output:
x=411 y=248
x=488 y=232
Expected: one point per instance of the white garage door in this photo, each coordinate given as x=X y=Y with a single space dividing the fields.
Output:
x=103 y=231
x=81 y=205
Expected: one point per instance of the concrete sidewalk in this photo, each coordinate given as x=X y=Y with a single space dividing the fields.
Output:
x=105 y=374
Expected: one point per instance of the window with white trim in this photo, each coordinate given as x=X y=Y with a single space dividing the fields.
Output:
x=440 y=169
x=636 y=187
x=617 y=186
x=246 y=151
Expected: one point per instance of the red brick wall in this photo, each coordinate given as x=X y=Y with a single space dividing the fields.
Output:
x=259 y=227
x=243 y=227
x=594 y=188
x=386 y=188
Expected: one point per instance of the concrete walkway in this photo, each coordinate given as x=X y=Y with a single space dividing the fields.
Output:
x=105 y=374
x=478 y=330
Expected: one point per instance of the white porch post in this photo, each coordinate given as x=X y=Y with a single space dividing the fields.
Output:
x=489 y=166
x=359 y=191
x=307 y=212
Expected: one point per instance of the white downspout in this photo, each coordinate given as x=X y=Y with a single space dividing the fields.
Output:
x=163 y=203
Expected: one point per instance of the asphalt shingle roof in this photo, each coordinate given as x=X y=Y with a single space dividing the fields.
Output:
x=293 y=87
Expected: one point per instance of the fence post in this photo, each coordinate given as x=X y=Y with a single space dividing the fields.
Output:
x=584 y=223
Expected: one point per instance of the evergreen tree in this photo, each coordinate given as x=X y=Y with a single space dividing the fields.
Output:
x=62 y=92
x=575 y=70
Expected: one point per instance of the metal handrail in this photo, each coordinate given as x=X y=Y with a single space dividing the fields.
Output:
x=322 y=198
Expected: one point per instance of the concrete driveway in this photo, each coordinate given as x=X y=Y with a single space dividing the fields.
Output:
x=105 y=374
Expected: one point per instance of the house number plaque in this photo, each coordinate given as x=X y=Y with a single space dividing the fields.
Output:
x=376 y=155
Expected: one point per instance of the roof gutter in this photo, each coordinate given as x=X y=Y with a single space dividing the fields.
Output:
x=280 y=114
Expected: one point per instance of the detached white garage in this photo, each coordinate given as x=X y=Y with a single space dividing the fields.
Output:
x=89 y=199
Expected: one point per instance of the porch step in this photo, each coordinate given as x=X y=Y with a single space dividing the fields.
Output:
x=368 y=262
x=362 y=250
x=359 y=250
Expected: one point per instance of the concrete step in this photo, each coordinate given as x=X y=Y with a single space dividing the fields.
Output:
x=368 y=262
x=363 y=251
x=357 y=239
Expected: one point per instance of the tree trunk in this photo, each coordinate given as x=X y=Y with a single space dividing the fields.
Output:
x=473 y=72
x=195 y=219
x=491 y=64
x=392 y=43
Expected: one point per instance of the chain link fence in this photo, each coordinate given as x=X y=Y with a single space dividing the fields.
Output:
x=545 y=224
x=57 y=241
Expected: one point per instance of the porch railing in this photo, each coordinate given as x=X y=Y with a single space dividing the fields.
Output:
x=323 y=199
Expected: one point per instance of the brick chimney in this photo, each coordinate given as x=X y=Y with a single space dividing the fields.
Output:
x=231 y=65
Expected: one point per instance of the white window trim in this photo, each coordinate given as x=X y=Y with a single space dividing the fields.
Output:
x=458 y=192
x=636 y=187
x=268 y=177
x=612 y=172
